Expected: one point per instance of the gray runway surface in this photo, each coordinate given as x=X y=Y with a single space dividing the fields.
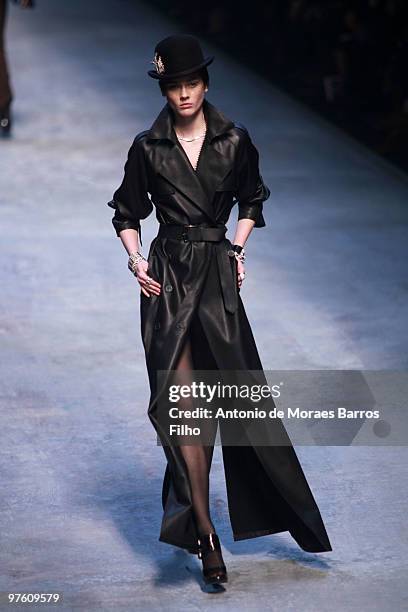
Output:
x=326 y=287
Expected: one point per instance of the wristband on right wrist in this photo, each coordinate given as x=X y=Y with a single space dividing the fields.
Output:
x=134 y=259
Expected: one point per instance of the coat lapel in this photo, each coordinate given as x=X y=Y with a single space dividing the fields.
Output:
x=173 y=164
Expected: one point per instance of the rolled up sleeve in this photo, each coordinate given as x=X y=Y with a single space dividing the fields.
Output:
x=252 y=191
x=131 y=201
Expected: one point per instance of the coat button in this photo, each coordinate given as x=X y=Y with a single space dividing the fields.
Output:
x=168 y=287
x=157 y=325
x=179 y=328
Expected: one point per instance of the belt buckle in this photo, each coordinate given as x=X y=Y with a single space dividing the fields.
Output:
x=184 y=234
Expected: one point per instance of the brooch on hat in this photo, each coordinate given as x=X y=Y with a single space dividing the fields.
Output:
x=158 y=62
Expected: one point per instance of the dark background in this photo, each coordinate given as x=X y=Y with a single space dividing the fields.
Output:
x=348 y=60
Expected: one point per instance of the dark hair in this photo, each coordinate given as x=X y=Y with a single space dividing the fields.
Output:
x=202 y=73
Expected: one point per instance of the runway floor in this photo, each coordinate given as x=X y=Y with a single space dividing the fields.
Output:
x=326 y=288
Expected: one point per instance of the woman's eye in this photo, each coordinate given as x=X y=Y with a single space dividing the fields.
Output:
x=175 y=85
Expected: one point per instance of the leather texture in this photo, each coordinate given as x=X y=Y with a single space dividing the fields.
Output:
x=266 y=487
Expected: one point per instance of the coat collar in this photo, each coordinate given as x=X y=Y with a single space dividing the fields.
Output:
x=215 y=161
x=217 y=123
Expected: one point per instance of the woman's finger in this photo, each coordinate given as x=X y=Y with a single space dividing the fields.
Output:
x=151 y=287
x=240 y=271
x=152 y=283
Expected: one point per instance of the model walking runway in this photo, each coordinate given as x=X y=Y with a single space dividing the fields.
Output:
x=94 y=508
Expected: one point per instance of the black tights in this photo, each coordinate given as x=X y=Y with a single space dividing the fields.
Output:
x=198 y=457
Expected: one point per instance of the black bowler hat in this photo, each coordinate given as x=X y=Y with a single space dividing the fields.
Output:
x=178 y=55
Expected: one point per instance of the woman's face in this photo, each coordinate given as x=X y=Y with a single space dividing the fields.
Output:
x=186 y=95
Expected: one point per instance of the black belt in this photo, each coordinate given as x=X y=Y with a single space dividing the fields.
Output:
x=209 y=233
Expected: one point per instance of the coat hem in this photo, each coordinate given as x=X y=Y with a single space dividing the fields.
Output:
x=256 y=534
x=247 y=535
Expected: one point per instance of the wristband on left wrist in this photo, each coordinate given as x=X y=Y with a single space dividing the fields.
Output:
x=238 y=252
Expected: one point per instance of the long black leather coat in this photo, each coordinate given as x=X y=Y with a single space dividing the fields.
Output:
x=266 y=487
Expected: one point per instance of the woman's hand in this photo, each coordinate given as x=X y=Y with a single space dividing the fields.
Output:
x=240 y=270
x=147 y=284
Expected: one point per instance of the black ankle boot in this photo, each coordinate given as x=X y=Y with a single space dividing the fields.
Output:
x=208 y=543
x=5 y=120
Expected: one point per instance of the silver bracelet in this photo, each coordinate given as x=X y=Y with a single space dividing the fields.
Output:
x=134 y=259
x=240 y=256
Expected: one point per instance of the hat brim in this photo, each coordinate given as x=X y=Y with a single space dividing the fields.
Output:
x=155 y=75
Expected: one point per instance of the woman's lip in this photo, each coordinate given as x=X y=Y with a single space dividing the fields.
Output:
x=185 y=105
